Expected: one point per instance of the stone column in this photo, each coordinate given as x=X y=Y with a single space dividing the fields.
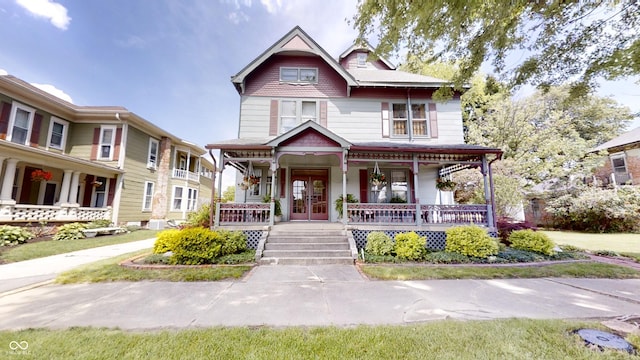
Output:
x=159 y=206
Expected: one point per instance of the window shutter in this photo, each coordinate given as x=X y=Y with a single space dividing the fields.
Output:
x=412 y=189
x=94 y=146
x=283 y=182
x=385 y=119
x=273 y=118
x=35 y=130
x=5 y=112
x=364 y=184
x=116 y=148
x=323 y=113
x=112 y=191
x=433 y=120
x=88 y=188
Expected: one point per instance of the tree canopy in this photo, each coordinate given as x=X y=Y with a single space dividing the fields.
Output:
x=561 y=41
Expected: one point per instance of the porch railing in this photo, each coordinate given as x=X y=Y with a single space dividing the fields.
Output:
x=185 y=174
x=381 y=213
x=454 y=214
x=256 y=213
x=25 y=213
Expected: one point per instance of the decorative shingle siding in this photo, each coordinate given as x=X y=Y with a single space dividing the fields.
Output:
x=351 y=62
x=265 y=81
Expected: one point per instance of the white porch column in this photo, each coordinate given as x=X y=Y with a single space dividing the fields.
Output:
x=344 y=187
x=416 y=187
x=272 y=208
x=73 y=192
x=486 y=173
x=219 y=196
x=66 y=184
x=7 y=180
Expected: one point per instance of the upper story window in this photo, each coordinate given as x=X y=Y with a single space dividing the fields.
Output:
x=419 y=117
x=152 y=159
x=57 y=133
x=20 y=124
x=107 y=142
x=362 y=59
x=299 y=75
x=294 y=112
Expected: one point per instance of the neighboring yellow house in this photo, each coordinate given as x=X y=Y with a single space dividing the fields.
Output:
x=60 y=162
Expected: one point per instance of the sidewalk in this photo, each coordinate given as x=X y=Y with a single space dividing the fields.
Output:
x=31 y=272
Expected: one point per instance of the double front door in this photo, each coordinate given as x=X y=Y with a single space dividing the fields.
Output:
x=309 y=194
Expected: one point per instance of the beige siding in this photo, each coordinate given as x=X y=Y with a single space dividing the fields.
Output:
x=136 y=173
x=255 y=117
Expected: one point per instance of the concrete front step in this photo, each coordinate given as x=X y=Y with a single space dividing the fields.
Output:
x=306 y=239
x=300 y=233
x=307 y=261
x=305 y=253
x=306 y=246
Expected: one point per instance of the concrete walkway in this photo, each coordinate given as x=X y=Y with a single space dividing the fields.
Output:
x=14 y=276
x=290 y=296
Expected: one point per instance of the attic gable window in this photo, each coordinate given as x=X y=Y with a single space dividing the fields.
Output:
x=362 y=59
x=299 y=75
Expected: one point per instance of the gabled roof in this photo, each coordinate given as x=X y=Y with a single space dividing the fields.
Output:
x=295 y=41
x=365 y=46
x=627 y=138
x=394 y=78
x=309 y=124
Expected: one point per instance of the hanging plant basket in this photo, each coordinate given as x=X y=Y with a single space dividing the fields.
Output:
x=40 y=175
x=445 y=184
x=377 y=178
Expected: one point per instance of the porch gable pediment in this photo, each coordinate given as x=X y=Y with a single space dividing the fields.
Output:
x=309 y=134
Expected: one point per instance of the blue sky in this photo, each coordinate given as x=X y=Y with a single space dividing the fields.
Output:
x=169 y=61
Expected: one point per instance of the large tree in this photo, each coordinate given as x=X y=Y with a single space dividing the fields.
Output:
x=554 y=41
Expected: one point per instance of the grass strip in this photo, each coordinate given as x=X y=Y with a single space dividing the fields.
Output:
x=623 y=242
x=50 y=247
x=495 y=339
x=566 y=270
x=109 y=270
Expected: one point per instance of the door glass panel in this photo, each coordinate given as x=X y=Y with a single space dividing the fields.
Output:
x=299 y=197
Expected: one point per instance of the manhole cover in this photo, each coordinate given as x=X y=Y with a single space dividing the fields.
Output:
x=605 y=340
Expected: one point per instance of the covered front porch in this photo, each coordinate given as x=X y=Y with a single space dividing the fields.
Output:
x=309 y=170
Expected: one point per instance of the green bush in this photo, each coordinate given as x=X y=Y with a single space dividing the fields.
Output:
x=72 y=231
x=99 y=224
x=519 y=256
x=471 y=240
x=199 y=218
x=532 y=241
x=196 y=246
x=166 y=240
x=443 y=257
x=234 y=242
x=14 y=235
x=597 y=210
x=379 y=244
x=410 y=246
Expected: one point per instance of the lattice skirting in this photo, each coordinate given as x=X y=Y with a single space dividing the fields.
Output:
x=436 y=240
x=253 y=238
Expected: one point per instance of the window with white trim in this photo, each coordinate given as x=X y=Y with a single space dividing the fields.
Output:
x=20 y=123
x=152 y=159
x=57 y=133
x=299 y=75
x=192 y=199
x=394 y=188
x=148 y=196
x=176 y=202
x=399 y=120
x=99 y=192
x=295 y=112
x=254 y=190
x=419 y=119
x=619 y=164
x=361 y=59
x=107 y=142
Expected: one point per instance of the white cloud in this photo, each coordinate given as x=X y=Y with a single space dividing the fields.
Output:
x=237 y=17
x=3 y=72
x=272 y=6
x=54 y=91
x=56 y=13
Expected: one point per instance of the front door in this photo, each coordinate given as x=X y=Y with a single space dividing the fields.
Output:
x=309 y=194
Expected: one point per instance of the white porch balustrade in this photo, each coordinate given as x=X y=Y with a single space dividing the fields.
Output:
x=186 y=175
x=251 y=213
x=37 y=213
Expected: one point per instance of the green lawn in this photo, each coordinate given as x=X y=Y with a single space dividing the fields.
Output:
x=110 y=270
x=495 y=339
x=567 y=270
x=629 y=243
x=47 y=248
